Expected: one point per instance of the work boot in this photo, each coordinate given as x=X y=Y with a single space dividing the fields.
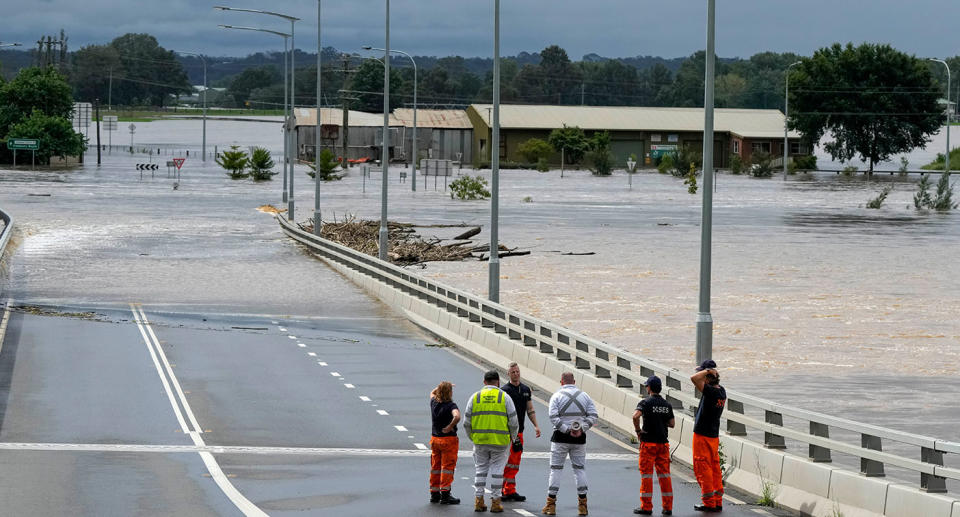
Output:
x=551 y=507
x=582 y=505
x=706 y=509
x=495 y=506
x=434 y=497
x=641 y=511
x=446 y=498
x=479 y=505
x=514 y=497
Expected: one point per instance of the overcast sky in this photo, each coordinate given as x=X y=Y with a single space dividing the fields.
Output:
x=612 y=28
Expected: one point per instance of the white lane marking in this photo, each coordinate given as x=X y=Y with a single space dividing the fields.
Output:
x=335 y=374
x=239 y=449
x=761 y=511
x=420 y=446
x=321 y=363
x=312 y=354
x=732 y=499
x=400 y=428
x=364 y=398
x=523 y=512
x=6 y=318
x=292 y=337
x=348 y=385
x=382 y=412
x=281 y=329
x=275 y=322
x=242 y=503
x=301 y=345
x=163 y=379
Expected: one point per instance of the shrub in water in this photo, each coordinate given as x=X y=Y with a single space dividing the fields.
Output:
x=469 y=188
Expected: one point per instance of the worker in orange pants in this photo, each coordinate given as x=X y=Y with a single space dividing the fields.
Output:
x=706 y=436
x=656 y=415
x=444 y=444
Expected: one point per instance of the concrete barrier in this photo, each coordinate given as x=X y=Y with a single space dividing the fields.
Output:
x=815 y=489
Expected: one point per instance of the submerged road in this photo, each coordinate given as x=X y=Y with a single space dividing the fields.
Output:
x=127 y=411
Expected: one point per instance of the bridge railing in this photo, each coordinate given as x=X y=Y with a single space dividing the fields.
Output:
x=629 y=371
x=7 y=230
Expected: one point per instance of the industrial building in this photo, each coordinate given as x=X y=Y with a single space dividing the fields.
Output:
x=645 y=132
x=363 y=137
x=441 y=134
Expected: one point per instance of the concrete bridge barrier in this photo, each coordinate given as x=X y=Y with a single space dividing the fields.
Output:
x=758 y=446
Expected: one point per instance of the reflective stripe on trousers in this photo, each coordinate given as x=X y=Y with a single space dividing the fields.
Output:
x=578 y=458
x=706 y=468
x=510 y=472
x=443 y=461
x=489 y=460
x=655 y=455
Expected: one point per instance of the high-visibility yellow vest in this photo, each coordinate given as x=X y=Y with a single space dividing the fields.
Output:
x=488 y=418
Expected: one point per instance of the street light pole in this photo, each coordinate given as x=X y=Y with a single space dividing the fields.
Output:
x=316 y=151
x=413 y=184
x=385 y=152
x=203 y=153
x=786 y=115
x=293 y=107
x=704 y=319
x=493 y=291
x=946 y=159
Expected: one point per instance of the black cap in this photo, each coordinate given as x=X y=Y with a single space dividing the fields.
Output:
x=491 y=376
x=707 y=364
x=654 y=383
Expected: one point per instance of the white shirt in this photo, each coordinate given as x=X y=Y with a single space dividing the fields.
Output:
x=569 y=404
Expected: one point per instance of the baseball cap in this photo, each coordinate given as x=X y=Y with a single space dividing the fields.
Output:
x=707 y=364
x=654 y=383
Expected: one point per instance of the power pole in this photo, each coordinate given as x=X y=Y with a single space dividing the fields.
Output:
x=96 y=103
x=582 y=86
x=345 y=120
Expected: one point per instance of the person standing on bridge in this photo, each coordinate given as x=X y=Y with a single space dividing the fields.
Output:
x=657 y=415
x=444 y=444
x=523 y=400
x=572 y=414
x=706 y=436
x=491 y=424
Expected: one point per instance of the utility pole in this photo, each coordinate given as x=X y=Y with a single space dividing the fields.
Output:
x=582 y=91
x=345 y=119
x=96 y=103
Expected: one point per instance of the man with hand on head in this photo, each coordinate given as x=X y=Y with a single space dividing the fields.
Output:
x=523 y=400
x=491 y=423
x=706 y=436
x=657 y=415
x=572 y=413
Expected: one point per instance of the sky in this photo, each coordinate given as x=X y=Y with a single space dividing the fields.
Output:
x=610 y=28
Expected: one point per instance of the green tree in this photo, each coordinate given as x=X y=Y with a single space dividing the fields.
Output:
x=534 y=149
x=368 y=85
x=571 y=141
x=56 y=135
x=328 y=166
x=873 y=100
x=252 y=79
x=149 y=74
x=235 y=161
x=599 y=156
x=91 y=70
x=261 y=165
x=469 y=188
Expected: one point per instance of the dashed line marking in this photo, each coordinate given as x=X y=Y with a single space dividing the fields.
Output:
x=382 y=412
x=301 y=345
x=523 y=512
x=281 y=329
x=335 y=374
x=364 y=398
x=410 y=436
x=321 y=363
x=275 y=322
x=292 y=337
x=400 y=428
x=312 y=354
x=420 y=446
x=348 y=385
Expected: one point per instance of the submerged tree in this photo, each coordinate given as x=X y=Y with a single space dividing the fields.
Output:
x=235 y=161
x=261 y=165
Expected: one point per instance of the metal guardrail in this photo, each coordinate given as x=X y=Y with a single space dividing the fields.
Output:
x=629 y=371
x=7 y=230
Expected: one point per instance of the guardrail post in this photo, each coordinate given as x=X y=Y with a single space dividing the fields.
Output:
x=817 y=453
x=735 y=428
x=868 y=467
x=931 y=482
x=624 y=382
x=771 y=440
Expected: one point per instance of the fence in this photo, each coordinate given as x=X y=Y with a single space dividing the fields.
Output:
x=616 y=377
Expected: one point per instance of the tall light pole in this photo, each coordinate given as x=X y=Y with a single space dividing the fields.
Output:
x=2 y=45
x=704 y=319
x=288 y=126
x=286 y=141
x=946 y=165
x=203 y=153
x=493 y=291
x=385 y=155
x=413 y=184
x=316 y=152
x=786 y=115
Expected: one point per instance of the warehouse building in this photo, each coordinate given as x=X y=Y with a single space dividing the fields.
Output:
x=646 y=132
x=441 y=134
x=364 y=133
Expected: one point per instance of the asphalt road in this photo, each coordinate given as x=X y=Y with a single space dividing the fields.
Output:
x=126 y=412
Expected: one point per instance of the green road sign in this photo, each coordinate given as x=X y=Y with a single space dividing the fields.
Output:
x=28 y=144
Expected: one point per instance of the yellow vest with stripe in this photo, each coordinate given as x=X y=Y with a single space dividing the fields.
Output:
x=488 y=418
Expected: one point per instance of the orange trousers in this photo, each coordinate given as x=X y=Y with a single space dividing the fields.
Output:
x=706 y=467
x=443 y=461
x=655 y=455
x=510 y=472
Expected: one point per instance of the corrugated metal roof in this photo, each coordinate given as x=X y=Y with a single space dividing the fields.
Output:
x=749 y=123
x=445 y=119
x=308 y=117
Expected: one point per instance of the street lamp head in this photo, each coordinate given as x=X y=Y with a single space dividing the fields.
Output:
x=366 y=47
x=221 y=8
x=225 y=26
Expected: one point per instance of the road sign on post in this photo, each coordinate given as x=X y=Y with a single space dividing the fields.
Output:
x=24 y=144
x=179 y=162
